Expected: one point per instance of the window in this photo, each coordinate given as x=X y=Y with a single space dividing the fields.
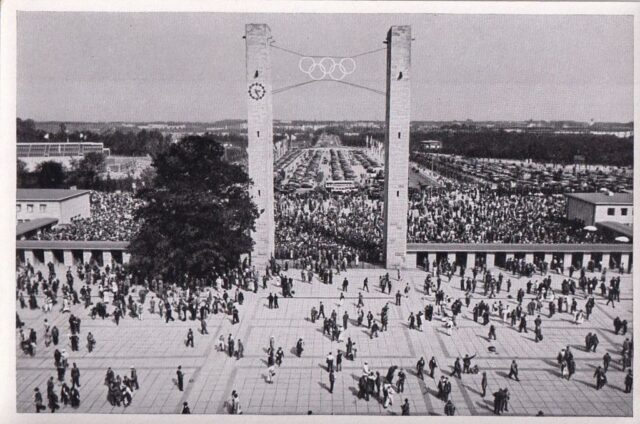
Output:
x=18 y=208
x=30 y=208
x=43 y=208
x=611 y=211
x=623 y=211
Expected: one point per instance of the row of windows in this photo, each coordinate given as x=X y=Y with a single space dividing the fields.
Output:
x=43 y=208
x=612 y=211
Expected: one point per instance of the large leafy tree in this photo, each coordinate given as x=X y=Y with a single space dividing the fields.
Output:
x=22 y=173
x=50 y=174
x=198 y=213
x=86 y=172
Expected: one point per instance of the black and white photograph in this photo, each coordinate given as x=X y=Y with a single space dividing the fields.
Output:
x=350 y=212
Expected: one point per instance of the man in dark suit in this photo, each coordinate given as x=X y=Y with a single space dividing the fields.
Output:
x=75 y=375
x=180 y=375
x=484 y=384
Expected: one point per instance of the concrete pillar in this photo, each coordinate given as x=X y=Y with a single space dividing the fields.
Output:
x=431 y=257
x=624 y=259
x=396 y=164
x=451 y=257
x=567 y=260
x=548 y=257
x=30 y=257
x=106 y=258
x=412 y=261
x=67 y=257
x=86 y=256
x=509 y=256
x=126 y=257
x=260 y=139
x=48 y=257
x=491 y=260
x=606 y=257
x=528 y=258
x=586 y=257
x=471 y=260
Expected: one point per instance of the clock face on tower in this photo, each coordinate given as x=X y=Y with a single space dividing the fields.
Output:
x=257 y=91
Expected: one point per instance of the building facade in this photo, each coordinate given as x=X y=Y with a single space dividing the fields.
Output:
x=591 y=208
x=61 y=204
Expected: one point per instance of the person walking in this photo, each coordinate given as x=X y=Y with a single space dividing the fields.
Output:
x=449 y=408
x=432 y=366
x=513 y=372
x=601 y=378
x=628 y=382
x=606 y=360
x=38 y=401
x=134 y=378
x=329 y=361
x=271 y=372
x=332 y=380
x=180 y=375
x=75 y=375
x=299 y=347
x=190 y=338
x=484 y=384
x=405 y=407
x=420 y=368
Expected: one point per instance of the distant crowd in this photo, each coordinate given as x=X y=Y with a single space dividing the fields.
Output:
x=466 y=213
x=321 y=224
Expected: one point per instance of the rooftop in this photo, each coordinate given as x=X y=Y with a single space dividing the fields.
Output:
x=603 y=198
x=34 y=224
x=625 y=230
x=47 y=194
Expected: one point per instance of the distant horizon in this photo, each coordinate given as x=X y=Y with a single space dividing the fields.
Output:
x=45 y=121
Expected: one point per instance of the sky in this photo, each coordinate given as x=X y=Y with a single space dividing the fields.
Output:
x=191 y=66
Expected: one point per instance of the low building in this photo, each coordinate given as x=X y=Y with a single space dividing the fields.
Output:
x=430 y=145
x=591 y=208
x=60 y=204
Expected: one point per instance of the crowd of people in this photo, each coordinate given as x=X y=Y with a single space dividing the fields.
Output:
x=319 y=225
x=470 y=213
x=110 y=292
x=112 y=219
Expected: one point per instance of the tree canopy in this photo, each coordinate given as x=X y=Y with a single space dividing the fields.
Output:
x=50 y=174
x=86 y=172
x=543 y=147
x=198 y=213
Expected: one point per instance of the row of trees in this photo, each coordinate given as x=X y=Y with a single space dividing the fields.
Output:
x=87 y=173
x=129 y=143
x=542 y=147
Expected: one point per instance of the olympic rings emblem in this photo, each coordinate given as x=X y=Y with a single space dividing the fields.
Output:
x=327 y=67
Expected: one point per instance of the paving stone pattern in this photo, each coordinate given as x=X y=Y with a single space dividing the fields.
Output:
x=301 y=384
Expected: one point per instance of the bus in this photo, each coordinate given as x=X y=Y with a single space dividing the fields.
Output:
x=340 y=186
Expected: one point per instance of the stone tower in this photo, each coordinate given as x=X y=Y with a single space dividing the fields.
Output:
x=260 y=139
x=396 y=168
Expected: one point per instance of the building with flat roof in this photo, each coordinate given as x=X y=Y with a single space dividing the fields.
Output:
x=431 y=145
x=60 y=204
x=592 y=208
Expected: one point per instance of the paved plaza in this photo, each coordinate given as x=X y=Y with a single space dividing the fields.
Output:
x=301 y=384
